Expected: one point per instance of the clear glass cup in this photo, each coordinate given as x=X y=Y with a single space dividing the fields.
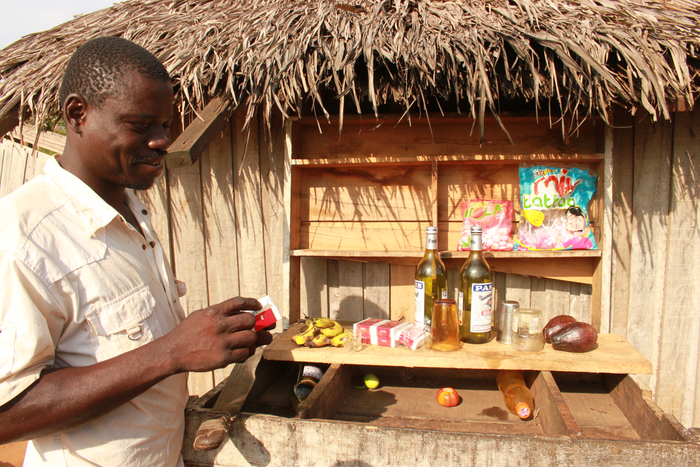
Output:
x=444 y=329
x=527 y=330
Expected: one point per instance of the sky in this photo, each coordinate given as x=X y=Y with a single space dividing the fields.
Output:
x=22 y=17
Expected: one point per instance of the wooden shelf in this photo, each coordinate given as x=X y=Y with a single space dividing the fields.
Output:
x=613 y=355
x=426 y=159
x=559 y=254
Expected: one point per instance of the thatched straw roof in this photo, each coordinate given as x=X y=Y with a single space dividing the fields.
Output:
x=569 y=56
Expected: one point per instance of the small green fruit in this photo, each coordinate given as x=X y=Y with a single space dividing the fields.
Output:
x=371 y=381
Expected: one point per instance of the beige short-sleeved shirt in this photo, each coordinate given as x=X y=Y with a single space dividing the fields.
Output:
x=80 y=285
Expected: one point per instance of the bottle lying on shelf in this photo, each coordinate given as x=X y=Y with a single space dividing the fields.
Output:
x=516 y=395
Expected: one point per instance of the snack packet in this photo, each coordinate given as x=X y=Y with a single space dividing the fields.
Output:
x=495 y=219
x=554 y=209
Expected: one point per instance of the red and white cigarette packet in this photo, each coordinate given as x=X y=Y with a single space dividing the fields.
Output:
x=412 y=337
x=268 y=315
x=366 y=329
x=388 y=333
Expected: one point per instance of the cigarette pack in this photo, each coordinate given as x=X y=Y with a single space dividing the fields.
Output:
x=366 y=330
x=412 y=337
x=388 y=333
x=268 y=315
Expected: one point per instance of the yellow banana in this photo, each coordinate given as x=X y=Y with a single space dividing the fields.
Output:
x=339 y=340
x=332 y=331
x=304 y=336
x=318 y=341
x=322 y=323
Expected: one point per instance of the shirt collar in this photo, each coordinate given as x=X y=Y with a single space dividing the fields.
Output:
x=93 y=212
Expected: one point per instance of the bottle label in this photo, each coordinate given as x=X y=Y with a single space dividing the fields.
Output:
x=482 y=307
x=431 y=242
x=419 y=315
x=312 y=371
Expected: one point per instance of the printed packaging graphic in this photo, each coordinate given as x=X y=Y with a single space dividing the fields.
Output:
x=268 y=315
x=495 y=217
x=554 y=209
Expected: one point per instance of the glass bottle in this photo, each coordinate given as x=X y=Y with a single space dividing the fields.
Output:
x=516 y=395
x=308 y=378
x=431 y=281
x=444 y=330
x=475 y=305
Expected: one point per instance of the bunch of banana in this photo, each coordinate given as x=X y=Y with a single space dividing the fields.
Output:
x=320 y=332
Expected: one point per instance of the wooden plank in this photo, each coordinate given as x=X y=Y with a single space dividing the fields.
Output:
x=603 y=283
x=218 y=209
x=570 y=269
x=295 y=442
x=157 y=199
x=645 y=416
x=557 y=300
x=350 y=306
x=518 y=289
x=314 y=287
x=396 y=193
x=249 y=211
x=189 y=257
x=188 y=147
x=333 y=288
x=324 y=400
x=403 y=292
x=35 y=165
x=272 y=170
x=291 y=280
x=623 y=185
x=359 y=235
x=443 y=136
x=14 y=164
x=677 y=380
x=376 y=289
x=551 y=408
x=613 y=355
x=461 y=183
x=48 y=140
x=652 y=175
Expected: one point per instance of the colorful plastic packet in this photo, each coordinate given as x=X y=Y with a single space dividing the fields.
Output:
x=554 y=208
x=495 y=217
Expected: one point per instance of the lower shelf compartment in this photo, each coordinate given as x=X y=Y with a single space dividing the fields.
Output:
x=599 y=419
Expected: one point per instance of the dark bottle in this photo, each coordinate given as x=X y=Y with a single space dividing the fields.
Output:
x=307 y=379
x=475 y=304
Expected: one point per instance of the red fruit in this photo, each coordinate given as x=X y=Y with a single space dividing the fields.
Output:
x=555 y=325
x=447 y=397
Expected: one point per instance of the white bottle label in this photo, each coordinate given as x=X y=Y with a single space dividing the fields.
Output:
x=312 y=371
x=419 y=314
x=482 y=307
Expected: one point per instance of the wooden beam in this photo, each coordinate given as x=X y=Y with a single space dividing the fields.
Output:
x=189 y=146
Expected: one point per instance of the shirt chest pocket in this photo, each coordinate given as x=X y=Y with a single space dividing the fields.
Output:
x=123 y=324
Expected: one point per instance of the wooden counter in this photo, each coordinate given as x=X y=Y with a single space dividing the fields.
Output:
x=613 y=355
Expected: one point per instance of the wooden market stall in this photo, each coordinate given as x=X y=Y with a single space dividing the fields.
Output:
x=328 y=136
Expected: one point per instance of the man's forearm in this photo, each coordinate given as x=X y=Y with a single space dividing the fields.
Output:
x=67 y=398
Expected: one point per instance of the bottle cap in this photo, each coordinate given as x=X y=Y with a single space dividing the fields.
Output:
x=476 y=229
x=523 y=410
x=431 y=229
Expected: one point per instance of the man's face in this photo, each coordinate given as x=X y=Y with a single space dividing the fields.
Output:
x=126 y=138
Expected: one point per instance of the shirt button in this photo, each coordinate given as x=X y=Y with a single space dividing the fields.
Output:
x=143 y=246
x=153 y=244
x=144 y=212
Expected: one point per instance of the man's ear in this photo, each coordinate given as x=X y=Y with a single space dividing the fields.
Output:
x=74 y=110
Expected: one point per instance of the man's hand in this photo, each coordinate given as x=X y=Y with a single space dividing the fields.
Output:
x=216 y=336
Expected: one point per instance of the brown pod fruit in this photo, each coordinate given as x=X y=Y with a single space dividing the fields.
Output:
x=555 y=325
x=575 y=337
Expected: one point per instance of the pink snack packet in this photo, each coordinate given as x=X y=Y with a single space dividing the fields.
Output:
x=413 y=337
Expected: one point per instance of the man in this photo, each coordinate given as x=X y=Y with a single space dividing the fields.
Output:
x=94 y=344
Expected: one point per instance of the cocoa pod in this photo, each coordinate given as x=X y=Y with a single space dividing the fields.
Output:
x=554 y=325
x=575 y=337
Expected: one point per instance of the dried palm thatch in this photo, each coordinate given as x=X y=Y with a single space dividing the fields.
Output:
x=578 y=56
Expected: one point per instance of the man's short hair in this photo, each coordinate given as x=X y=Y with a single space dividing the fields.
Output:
x=96 y=67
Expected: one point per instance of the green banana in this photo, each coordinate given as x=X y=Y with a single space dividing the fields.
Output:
x=332 y=331
x=304 y=336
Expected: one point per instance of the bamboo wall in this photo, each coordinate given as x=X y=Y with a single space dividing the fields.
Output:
x=223 y=222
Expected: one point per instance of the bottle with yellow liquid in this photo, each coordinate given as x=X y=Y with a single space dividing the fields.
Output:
x=431 y=280
x=475 y=303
